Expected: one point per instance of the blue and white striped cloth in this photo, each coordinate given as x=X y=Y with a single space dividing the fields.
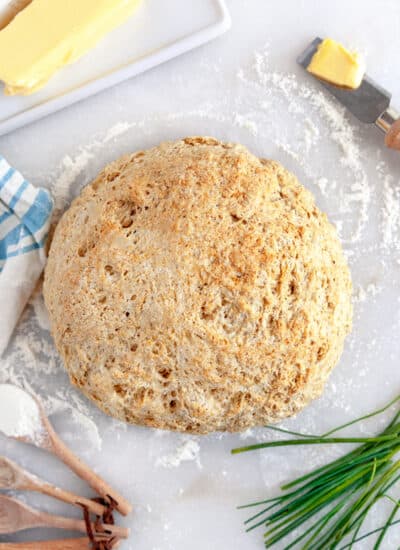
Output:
x=25 y=213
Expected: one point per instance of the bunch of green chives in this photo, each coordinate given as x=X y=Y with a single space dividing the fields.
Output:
x=332 y=502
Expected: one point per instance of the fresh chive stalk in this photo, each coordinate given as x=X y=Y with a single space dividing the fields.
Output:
x=333 y=501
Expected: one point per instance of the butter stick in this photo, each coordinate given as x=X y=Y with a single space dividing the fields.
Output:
x=49 y=34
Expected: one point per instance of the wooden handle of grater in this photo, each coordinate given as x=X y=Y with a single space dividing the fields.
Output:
x=392 y=138
x=13 y=7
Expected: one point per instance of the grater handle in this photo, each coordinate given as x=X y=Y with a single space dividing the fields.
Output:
x=389 y=123
x=9 y=9
x=392 y=138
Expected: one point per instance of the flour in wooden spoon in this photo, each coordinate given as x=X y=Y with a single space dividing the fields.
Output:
x=19 y=414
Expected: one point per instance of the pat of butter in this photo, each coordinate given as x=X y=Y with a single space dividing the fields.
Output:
x=333 y=63
x=49 y=34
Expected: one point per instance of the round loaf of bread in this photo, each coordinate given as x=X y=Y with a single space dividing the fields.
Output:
x=196 y=287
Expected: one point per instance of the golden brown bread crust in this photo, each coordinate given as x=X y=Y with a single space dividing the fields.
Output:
x=195 y=287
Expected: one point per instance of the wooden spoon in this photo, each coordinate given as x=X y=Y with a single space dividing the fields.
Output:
x=55 y=445
x=44 y=437
x=17 y=516
x=14 y=477
x=61 y=544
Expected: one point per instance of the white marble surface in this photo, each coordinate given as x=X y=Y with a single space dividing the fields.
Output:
x=204 y=92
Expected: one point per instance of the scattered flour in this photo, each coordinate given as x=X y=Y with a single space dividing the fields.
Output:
x=323 y=185
x=311 y=135
x=71 y=168
x=40 y=311
x=116 y=130
x=244 y=121
x=390 y=222
x=361 y=294
x=372 y=289
x=295 y=156
x=186 y=451
x=247 y=434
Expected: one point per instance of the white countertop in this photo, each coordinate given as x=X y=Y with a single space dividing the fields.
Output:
x=227 y=90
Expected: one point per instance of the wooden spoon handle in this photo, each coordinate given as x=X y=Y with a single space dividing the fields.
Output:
x=62 y=544
x=59 y=522
x=58 y=447
x=392 y=138
x=70 y=498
